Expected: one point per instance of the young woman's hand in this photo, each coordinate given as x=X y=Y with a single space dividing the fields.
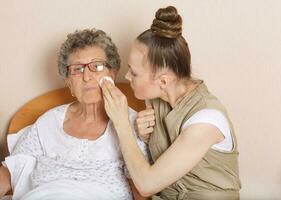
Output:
x=145 y=122
x=115 y=103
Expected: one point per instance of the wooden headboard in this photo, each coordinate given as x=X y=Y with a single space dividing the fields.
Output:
x=33 y=109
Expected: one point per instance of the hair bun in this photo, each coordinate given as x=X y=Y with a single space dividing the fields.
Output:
x=167 y=23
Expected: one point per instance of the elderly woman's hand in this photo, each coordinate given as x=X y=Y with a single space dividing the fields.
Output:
x=115 y=103
x=5 y=181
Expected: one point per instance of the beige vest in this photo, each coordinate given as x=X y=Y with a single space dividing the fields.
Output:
x=216 y=176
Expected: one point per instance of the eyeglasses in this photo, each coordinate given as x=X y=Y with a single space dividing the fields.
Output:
x=94 y=66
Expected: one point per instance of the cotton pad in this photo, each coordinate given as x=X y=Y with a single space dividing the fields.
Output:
x=107 y=78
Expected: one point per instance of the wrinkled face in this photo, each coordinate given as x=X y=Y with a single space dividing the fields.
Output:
x=84 y=83
x=140 y=73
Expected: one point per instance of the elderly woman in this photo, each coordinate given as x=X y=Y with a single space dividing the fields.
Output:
x=72 y=151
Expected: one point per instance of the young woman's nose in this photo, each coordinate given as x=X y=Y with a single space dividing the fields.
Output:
x=128 y=76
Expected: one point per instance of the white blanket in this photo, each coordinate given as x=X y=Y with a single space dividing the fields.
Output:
x=68 y=190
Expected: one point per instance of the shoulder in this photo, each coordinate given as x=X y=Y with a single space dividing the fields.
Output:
x=52 y=114
x=207 y=114
x=210 y=116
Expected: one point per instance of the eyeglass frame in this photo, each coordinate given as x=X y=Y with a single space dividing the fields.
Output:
x=84 y=65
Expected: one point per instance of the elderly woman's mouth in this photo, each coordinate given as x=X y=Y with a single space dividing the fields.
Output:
x=90 y=88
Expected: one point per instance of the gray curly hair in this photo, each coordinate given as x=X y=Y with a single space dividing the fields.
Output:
x=84 y=38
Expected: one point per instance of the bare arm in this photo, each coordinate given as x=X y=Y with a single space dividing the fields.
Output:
x=136 y=194
x=187 y=150
x=5 y=181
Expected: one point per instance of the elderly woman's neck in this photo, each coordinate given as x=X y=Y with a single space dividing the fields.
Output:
x=93 y=112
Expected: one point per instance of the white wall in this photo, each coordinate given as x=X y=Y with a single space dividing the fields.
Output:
x=235 y=46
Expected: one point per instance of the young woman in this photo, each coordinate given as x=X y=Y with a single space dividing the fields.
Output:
x=190 y=136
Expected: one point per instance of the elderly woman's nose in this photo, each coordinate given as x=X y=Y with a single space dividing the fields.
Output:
x=87 y=74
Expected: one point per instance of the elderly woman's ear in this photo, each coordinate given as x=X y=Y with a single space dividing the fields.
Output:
x=68 y=84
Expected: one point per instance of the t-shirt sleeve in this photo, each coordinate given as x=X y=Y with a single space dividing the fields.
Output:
x=217 y=119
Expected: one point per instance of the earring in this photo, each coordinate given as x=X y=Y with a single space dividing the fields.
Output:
x=69 y=87
x=71 y=93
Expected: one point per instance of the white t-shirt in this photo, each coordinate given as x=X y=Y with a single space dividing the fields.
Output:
x=98 y=164
x=216 y=118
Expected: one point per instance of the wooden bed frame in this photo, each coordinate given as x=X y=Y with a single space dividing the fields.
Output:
x=28 y=114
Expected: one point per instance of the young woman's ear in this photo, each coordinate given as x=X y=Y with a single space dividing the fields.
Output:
x=163 y=81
